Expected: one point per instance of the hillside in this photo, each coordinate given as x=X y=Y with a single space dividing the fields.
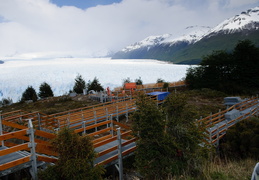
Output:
x=196 y=42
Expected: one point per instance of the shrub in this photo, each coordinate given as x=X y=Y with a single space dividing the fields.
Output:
x=138 y=81
x=95 y=85
x=76 y=158
x=80 y=84
x=45 y=91
x=29 y=94
x=160 y=80
x=242 y=140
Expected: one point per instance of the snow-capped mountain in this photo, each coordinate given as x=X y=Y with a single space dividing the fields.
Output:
x=190 y=35
x=195 y=41
x=248 y=20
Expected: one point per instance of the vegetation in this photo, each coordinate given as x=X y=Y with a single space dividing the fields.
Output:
x=45 y=90
x=95 y=85
x=242 y=140
x=80 y=84
x=127 y=80
x=168 y=139
x=76 y=158
x=160 y=80
x=6 y=101
x=138 y=81
x=228 y=72
x=29 y=94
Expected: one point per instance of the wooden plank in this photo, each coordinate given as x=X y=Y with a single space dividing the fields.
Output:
x=14 y=125
x=102 y=138
x=14 y=149
x=45 y=134
x=47 y=159
x=46 y=149
x=99 y=132
x=15 y=134
x=14 y=163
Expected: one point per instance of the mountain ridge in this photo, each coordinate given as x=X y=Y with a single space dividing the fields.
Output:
x=196 y=41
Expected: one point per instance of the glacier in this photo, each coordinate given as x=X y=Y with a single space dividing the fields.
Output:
x=60 y=73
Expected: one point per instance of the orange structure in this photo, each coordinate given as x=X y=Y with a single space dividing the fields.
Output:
x=130 y=86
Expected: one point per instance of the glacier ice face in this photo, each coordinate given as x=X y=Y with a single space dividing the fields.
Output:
x=17 y=75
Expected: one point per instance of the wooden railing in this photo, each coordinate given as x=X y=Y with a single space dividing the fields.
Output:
x=102 y=133
x=217 y=125
x=154 y=86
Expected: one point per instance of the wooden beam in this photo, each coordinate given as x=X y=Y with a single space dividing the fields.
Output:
x=14 y=163
x=11 y=135
x=47 y=159
x=14 y=149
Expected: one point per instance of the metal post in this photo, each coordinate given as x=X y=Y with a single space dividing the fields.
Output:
x=84 y=127
x=117 y=111
x=1 y=128
x=32 y=146
x=127 y=112
x=217 y=135
x=95 y=120
x=210 y=136
x=39 y=123
x=111 y=125
x=120 y=154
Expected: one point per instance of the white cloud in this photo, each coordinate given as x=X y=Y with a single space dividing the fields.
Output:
x=40 y=27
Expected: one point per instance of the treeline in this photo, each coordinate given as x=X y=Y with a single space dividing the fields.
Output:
x=45 y=89
x=230 y=72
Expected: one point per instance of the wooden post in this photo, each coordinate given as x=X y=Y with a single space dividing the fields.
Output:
x=32 y=146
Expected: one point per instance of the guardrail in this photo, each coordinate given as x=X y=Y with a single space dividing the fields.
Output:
x=217 y=124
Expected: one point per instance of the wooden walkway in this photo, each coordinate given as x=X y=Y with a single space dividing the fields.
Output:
x=99 y=121
x=218 y=124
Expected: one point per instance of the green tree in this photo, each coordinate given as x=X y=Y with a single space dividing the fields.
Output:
x=127 y=80
x=154 y=147
x=233 y=72
x=187 y=135
x=138 y=81
x=95 y=85
x=45 y=90
x=76 y=158
x=169 y=140
x=29 y=94
x=160 y=80
x=80 y=84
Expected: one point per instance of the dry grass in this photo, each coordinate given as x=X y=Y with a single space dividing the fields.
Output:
x=229 y=170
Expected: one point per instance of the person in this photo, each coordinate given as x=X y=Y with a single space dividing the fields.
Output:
x=255 y=175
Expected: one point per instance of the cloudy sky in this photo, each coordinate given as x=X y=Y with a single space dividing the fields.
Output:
x=46 y=28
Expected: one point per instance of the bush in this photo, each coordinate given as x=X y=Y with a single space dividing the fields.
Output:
x=160 y=80
x=45 y=91
x=95 y=85
x=138 y=81
x=242 y=140
x=29 y=94
x=76 y=158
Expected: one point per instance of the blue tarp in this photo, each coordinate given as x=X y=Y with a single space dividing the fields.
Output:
x=160 y=95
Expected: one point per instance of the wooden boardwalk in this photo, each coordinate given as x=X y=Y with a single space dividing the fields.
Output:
x=99 y=121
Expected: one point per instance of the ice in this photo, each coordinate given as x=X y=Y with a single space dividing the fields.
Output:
x=60 y=73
